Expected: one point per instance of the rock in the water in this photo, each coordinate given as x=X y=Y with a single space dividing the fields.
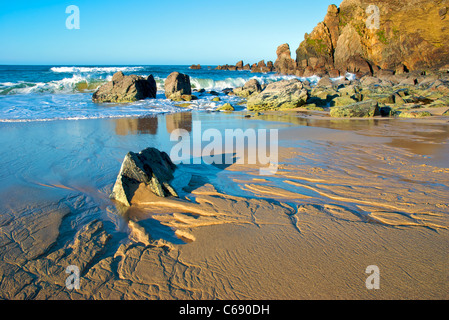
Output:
x=176 y=85
x=284 y=94
x=151 y=167
x=363 y=109
x=126 y=89
x=250 y=87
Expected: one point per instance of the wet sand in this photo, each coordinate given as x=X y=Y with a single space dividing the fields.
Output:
x=347 y=194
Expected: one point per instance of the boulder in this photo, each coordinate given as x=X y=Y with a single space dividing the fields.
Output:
x=126 y=89
x=324 y=82
x=226 y=107
x=250 y=87
x=365 y=109
x=284 y=94
x=409 y=81
x=195 y=67
x=151 y=167
x=176 y=85
x=414 y=114
x=342 y=101
x=369 y=81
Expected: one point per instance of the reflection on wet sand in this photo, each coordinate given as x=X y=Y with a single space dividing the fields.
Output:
x=419 y=137
x=150 y=125
x=134 y=126
x=180 y=120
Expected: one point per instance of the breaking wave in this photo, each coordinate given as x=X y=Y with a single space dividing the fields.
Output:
x=77 y=83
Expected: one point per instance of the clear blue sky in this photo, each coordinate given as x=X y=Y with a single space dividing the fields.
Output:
x=154 y=32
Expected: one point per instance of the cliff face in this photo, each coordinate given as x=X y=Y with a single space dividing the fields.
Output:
x=408 y=35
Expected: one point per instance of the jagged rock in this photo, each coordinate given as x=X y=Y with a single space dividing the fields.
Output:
x=195 y=67
x=284 y=94
x=363 y=109
x=126 y=89
x=284 y=63
x=176 y=85
x=151 y=167
x=262 y=67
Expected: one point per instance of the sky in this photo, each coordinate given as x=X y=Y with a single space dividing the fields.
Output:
x=208 y=32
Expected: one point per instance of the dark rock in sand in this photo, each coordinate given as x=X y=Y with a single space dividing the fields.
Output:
x=151 y=167
x=126 y=89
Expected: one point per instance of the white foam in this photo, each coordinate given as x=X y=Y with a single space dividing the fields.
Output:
x=66 y=85
x=350 y=76
x=93 y=69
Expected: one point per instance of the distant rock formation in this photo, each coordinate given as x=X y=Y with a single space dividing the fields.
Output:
x=195 y=67
x=411 y=35
x=177 y=85
x=151 y=167
x=126 y=89
x=260 y=67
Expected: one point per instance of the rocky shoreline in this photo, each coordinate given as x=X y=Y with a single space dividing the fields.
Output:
x=409 y=96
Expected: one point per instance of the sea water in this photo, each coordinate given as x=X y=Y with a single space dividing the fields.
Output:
x=43 y=93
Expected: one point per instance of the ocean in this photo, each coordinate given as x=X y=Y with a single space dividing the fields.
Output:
x=45 y=93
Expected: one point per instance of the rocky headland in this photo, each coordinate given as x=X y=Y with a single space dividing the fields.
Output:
x=400 y=63
x=375 y=37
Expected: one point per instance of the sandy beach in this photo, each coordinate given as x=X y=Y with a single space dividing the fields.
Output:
x=347 y=194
